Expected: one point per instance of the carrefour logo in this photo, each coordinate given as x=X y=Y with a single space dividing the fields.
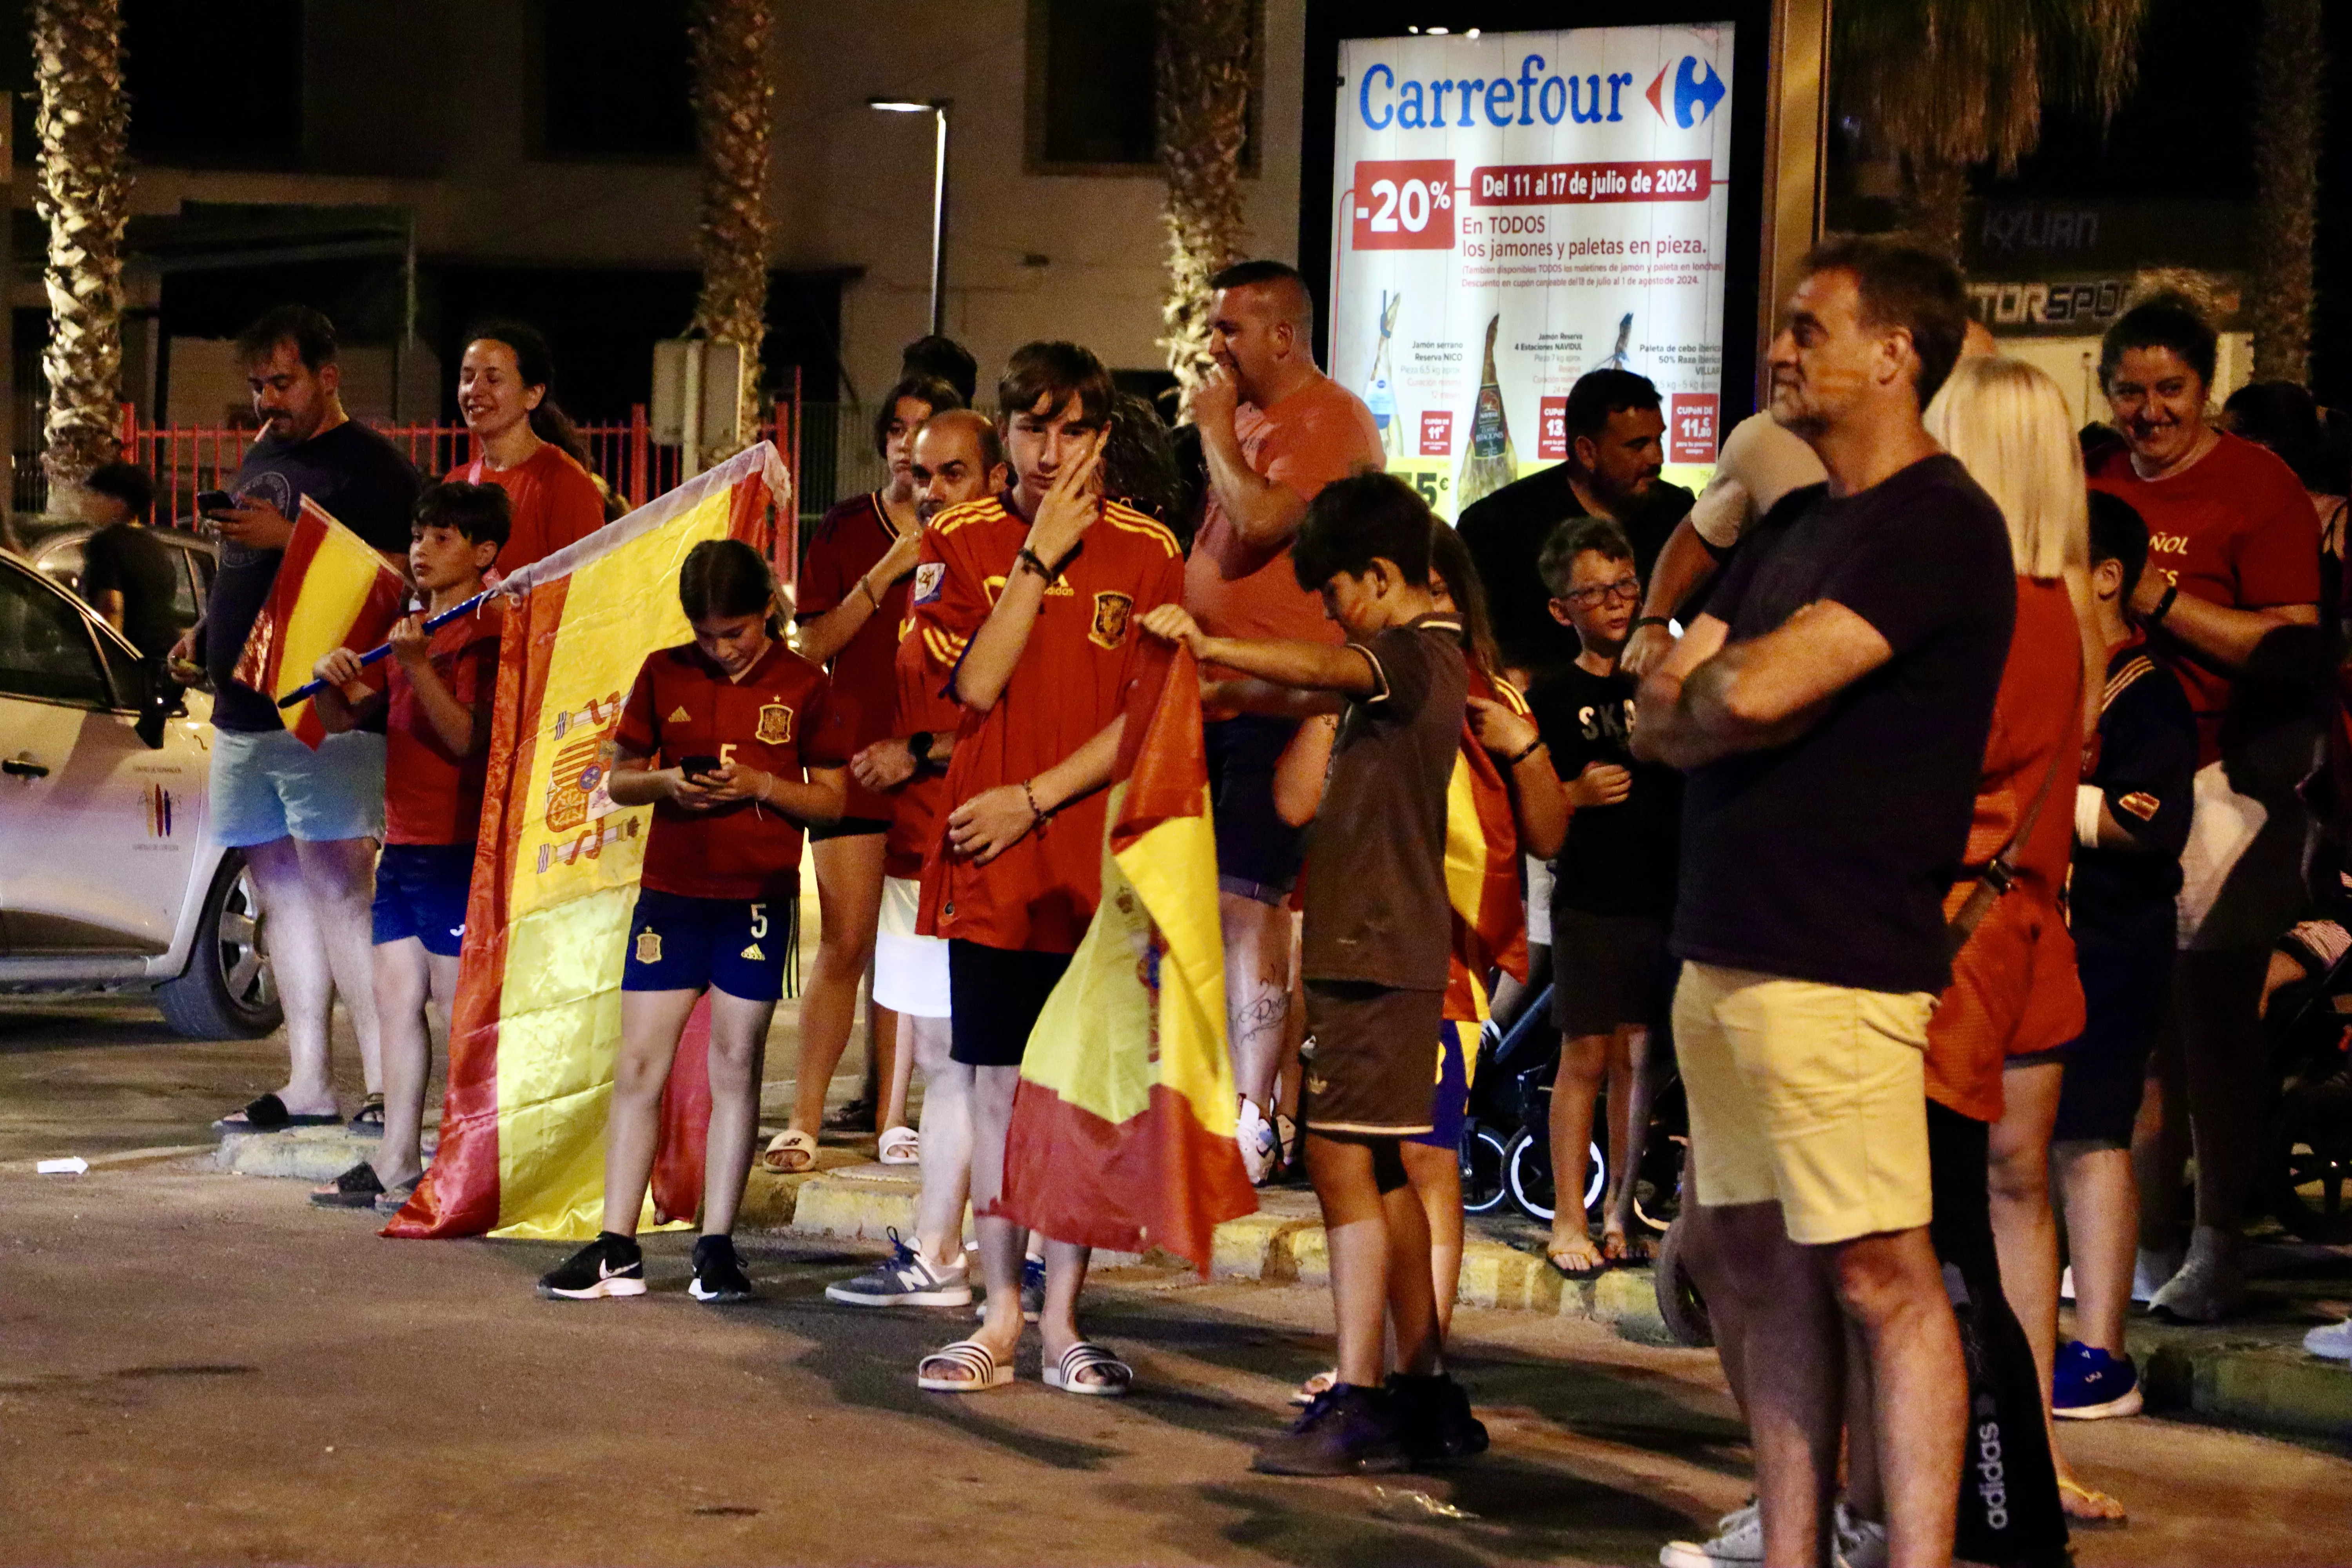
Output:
x=1693 y=92
x=1385 y=101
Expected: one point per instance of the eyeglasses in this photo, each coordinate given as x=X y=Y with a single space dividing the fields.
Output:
x=1626 y=588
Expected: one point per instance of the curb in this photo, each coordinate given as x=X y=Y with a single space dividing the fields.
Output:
x=1281 y=1244
x=2274 y=1387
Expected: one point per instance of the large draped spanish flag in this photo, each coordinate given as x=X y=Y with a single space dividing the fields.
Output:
x=1482 y=876
x=1123 y=1125
x=333 y=590
x=538 y=1014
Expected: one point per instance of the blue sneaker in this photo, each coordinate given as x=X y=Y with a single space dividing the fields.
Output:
x=1032 y=1292
x=2089 y=1384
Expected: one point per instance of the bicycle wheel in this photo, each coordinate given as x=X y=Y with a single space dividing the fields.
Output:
x=1482 y=1169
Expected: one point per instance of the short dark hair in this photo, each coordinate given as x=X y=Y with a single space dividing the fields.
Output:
x=984 y=430
x=313 y=335
x=727 y=577
x=1903 y=285
x=481 y=514
x=1353 y=522
x=1139 y=465
x=125 y=482
x=1059 y=372
x=1557 y=561
x=1598 y=393
x=2166 y=320
x=945 y=358
x=2119 y=535
x=2283 y=416
x=929 y=390
x=1266 y=269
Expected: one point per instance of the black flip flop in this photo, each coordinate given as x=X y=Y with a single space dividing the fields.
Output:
x=357 y=1188
x=369 y=1118
x=267 y=1113
x=1581 y=1276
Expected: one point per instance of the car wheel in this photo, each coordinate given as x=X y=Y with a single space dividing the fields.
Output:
x=228 y=990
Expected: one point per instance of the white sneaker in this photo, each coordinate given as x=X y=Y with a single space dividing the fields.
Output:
x=2150 y=1270
x=1858 y=1542
x=1738 y=1539
x=2066 y=1284
x=2334 y=1342
x=2210 y=1287
x=1259 y=1147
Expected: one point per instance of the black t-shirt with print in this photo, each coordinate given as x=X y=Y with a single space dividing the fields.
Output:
x=364 y=483
x=125 y=559
x=1618 y=859
x=1827 y=858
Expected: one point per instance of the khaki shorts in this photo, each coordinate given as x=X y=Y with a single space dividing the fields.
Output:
x=1810 y=1095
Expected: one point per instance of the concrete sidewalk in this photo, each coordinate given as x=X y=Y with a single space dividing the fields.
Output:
x=2251 y=1373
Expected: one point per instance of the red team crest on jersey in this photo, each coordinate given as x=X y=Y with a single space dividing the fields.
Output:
x=1110 y=618
x=775 y=725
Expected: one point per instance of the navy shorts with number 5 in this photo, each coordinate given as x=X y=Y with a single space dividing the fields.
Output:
x=680 y=944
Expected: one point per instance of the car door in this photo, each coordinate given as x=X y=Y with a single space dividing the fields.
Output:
x=98 y=831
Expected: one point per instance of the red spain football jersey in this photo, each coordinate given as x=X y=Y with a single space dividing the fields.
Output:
x=848 y=543
x=779 y=718
x=1071 y=682
x=914 y=806
x=432 y=795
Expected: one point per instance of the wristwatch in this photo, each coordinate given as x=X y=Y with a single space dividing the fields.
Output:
x=919 y=746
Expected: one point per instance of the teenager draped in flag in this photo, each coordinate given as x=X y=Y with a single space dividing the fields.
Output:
x=1027 y=606
x=734 y=741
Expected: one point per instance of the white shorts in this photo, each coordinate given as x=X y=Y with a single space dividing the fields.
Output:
x=1539 y=902
x=910 y=971
x=2241 y=872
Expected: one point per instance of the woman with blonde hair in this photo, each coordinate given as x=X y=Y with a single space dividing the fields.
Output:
x=1996 y=1046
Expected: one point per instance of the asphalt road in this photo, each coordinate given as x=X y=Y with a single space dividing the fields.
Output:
x=200 y=1368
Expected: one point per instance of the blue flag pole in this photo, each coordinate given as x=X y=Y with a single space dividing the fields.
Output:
x=305 y=692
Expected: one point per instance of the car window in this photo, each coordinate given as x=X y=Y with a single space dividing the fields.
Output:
x=62 y=563
x=187 y=587
x=44 y=649
x=123 y=674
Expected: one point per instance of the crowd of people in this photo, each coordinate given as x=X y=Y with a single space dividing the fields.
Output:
x=1933 y=791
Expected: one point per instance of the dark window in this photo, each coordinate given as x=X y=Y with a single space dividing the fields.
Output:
x=214 y=87
x=614 y=79
x=45 y=649
x=1093 y=88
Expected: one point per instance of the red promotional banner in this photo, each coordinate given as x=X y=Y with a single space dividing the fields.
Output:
x=1551 y=427
x=1690 y=429
x=1552 y=185
x=1406 y=205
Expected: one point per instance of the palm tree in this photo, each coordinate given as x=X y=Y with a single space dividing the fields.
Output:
x=2290 y=71
x=1950 y=83
x=1204 y=82
x=83 y=124
x=734 y=116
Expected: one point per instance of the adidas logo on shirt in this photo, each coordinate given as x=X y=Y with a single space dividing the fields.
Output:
x=677 y=716
x=754 y=952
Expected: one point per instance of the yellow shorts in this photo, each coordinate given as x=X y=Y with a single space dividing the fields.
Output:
x=1807 y=1095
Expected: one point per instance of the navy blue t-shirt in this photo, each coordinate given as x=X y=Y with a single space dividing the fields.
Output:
x=365 y=484
x=1827 y=858
x=2146 y=767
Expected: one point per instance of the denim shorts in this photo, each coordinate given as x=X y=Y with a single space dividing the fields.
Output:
x=1258 y=854
x=420 y=892
x=268 y=786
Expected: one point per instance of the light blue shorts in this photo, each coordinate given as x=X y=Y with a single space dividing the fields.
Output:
x=268 y=786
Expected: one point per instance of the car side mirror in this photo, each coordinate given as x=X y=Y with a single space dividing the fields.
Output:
x=162 y=702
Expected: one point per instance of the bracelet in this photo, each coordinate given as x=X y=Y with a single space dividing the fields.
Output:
x=1533 y=747
x=2163 y=605
x=1641 y=621
x=1036 y=812
x=1036 y=564
x=871 y=597
x=918 y=747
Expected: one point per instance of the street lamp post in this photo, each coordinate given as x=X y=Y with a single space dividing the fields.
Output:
x=938 y=110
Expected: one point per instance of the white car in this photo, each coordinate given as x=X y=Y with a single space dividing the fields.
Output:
x=109 y=878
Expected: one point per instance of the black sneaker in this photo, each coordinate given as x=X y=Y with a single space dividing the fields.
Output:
x=609 y=1265
x=1348 y=1431
x=1433 y=1420
x=719 y=1277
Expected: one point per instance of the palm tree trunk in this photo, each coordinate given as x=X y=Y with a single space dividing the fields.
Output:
x=1938 y=203
x=2290 y=69
x=734 y=113
x=1204 y=82
x=83 y=122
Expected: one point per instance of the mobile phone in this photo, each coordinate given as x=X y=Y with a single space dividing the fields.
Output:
x=211 y=502
x=699 y=767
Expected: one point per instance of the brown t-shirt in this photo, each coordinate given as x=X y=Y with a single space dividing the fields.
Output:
x=1234 y=589
x=1376 y=906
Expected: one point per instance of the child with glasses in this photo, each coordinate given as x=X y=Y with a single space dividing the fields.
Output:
x=1611 y=890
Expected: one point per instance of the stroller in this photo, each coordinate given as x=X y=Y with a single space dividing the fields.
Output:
x=2307 y=1176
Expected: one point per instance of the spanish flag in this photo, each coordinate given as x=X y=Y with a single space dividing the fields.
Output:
x=1482 y=875
x=333 y=590
x=537 y=1016
x=1122 y=1134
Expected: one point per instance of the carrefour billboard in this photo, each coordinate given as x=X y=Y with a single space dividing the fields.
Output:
x=1513 y=209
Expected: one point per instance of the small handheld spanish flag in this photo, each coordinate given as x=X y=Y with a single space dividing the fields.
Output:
x=333 y=590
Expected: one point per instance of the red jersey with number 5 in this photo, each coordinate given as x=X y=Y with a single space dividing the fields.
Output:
x=1071 y=682
x=779 y=717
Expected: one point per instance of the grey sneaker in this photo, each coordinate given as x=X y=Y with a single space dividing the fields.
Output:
x=905 y=1279
x=1738 y=1540
x=1858 y=1542
x=2210 y=1287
